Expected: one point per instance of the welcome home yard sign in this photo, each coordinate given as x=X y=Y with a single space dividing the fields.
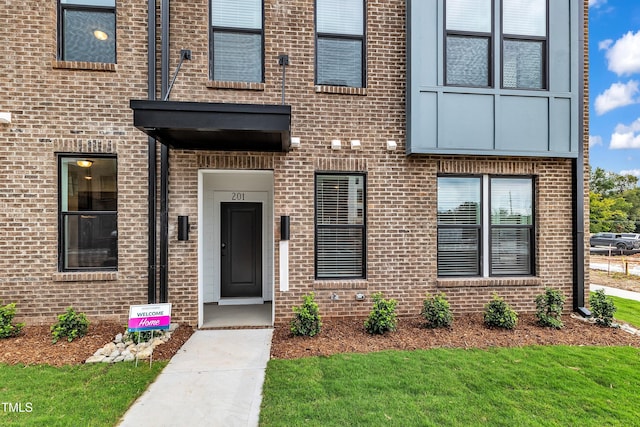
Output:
x=149 y=317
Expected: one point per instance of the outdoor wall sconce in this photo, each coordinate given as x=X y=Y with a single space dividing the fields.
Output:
x=295 y=142
x=285 y=225
x=355 y=144
x=336 y=144
x=391 y=145
x=5 y=118
x=183 y=227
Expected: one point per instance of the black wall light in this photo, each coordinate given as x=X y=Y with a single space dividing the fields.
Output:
x=284 y=227
x=183 y=227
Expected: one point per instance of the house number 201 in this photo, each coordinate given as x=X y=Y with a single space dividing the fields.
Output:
x=237 y=196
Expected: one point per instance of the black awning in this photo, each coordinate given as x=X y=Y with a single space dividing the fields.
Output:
x=212 y=126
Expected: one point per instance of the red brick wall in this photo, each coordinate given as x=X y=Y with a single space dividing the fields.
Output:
x=60 y=108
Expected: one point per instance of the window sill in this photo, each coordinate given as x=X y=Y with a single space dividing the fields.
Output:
x=340 y=284
x=94 y=276
x=485 y=282
x=342 y=90
x=81 y=65
x=215 y=84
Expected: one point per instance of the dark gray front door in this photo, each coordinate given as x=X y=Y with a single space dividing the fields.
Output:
x=241 y=251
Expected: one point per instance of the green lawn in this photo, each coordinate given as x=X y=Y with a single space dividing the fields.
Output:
x=83 y=395
x=628 y=311
x=531 y=386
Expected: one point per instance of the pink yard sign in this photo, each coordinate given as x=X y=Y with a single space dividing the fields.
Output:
x=150 y=317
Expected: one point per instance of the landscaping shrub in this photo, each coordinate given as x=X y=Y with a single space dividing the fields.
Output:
x=306 y=320
x=6 y=317
x=549 y=308
x=602 y=307
x=382 y=317
x=497 y=313
x=138 y=336
x=71 y=325
x=437 y=312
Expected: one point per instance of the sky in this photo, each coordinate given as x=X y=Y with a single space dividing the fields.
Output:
x=614 y=85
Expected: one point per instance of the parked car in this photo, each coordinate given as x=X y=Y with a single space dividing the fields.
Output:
x=634 y=236
x=616 y=240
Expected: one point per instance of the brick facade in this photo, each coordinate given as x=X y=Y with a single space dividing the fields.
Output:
x=61 y=107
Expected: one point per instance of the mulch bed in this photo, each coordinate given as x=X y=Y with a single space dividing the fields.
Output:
x=468 y=331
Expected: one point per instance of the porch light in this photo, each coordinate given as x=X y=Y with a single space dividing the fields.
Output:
x=391 y=145
x=84 y=163
x=336 y=144
x=355 y=144
x=5 y=118
x=295 y=142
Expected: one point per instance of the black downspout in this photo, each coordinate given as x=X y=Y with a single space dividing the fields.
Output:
x=151 y=85
x=164 y=164
x=579 y=188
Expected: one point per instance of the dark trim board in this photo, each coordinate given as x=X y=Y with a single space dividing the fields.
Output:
x=214 y=126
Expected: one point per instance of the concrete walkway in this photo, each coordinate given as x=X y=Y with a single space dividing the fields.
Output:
x=616 y=292
x=215 y=379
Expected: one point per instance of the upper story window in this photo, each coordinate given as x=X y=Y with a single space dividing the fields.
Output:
x=485 y=226
x=87 y=30
x=340 y=226
x=469 y=43
x=237 y=40
x=340 y=42
x=88 y=215
x=524 y=44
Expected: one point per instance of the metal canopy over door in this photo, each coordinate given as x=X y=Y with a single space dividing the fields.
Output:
x=241 y=250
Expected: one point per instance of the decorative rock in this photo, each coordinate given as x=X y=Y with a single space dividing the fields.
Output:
x=95 y=358
x=124 y=349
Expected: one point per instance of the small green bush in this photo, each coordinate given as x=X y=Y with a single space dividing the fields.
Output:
x=437 y=312
x=306 y=321
x=71 y=325
x=497 y=313
x=382 y=317
x=6 y=317
x=138 y=336
x=549 y=308
x=602 y=307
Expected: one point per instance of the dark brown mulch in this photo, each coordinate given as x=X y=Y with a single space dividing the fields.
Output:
x=468 y=331
x=34 y=346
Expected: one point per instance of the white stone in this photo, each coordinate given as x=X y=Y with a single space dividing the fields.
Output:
x=119 y=359
x=129 y=357
x=96 y=358
x=118 y=338
x=115 y=353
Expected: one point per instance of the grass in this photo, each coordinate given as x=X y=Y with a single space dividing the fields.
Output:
x=628 y=311
x=82 y=395
x=530 y=386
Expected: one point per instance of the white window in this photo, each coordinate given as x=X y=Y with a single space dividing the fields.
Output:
x=485 y=226
x=237 y=40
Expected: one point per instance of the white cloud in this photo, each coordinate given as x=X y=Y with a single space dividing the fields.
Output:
x=595 y=140
x=626 y=136
x=597 y=3
x=634 y=172
x=624 y=54
x=605 y=44
x=618 y=95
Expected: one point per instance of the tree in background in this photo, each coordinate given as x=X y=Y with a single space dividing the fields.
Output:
x=614 y=202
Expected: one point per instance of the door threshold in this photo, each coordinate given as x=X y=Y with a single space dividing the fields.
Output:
x=240 y=301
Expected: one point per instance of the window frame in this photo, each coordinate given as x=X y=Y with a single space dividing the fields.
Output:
x=529 y=227
x=362 y=227
x=85 y=8
x=485 y=247
x=471 y=34
x=336 y=36
x=526 y=38
x=235 y=30
x=64 y=214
